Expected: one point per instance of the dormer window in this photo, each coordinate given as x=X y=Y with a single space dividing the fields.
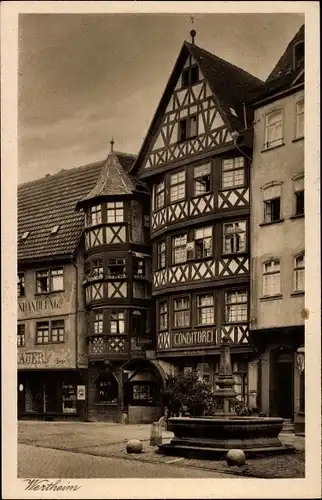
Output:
x=54 y=230
x=298 y=55
x=190 y=76
x=94 y=215
x=25 y=235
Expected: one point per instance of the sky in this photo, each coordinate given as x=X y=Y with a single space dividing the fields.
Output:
x=85 y=78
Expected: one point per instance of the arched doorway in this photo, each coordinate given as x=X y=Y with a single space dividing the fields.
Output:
x=143 y=381
x=107 y=388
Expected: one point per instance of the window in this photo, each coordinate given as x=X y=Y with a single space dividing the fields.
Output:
x=272 y=210
x=274 y=129
x=299 y=199
x=181 y=312
x=107 y=389
x=25 y=235
x=299 y=52
x=233 y=172
x=177 y=186
x=236 y=306
x=300 y=119
x=187 y=128
x=163 y=315
x=234 y=234
x=94 y=215
x=203 y=242
x=139 y=322
x=272 y=278
x=142 y=392
x=179 y=249
x=139 y=268
x=68 y=398
x=205 y=309
x=117 y=321
x=98 y=322
x=201 y=176
x=190 y=76
x=21 y=284
x=57 y=331
x=159 y=195
x=97 y=271
x=42 y=332
x=21 y=336
x=50 y=280
x=161 y=255
x=299 y=273
x=115 y=211
x=116 y=268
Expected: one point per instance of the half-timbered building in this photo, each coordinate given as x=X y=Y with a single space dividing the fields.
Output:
x=196 y=161
x=277 y=236
x=117 y=285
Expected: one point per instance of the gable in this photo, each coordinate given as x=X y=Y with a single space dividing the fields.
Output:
x=192 y=106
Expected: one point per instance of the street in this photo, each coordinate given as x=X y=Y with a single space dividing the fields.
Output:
x=37 y=462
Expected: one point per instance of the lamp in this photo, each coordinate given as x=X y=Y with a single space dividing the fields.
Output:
x=235 y=134
x=300 y=359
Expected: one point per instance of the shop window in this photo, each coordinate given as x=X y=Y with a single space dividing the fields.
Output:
x=21 y=341
x=188 y=128
x=236 y=307
x=203 y=242
x=299 y=119
x=115 y=211
x=234 y=237
x=117 y=322
x=116 y=268
x=107 y=389
x=68 y=398
x=143 y=393
x=50 y=280
x=163 y=315
x=161 y=255
x=181 y=312
x=233 y=172
x=159 y=195
x=273 y=129
x=201 y=179
x=21 y=284
x=179 y=249
x=299 y=273
x=272 y=278
x=177 y=186
x=205 y=309
x=94 y=215
x=98 y=322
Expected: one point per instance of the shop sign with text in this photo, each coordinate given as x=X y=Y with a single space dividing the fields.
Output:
x=43 y=359
x=194 y=338
x=40 y=305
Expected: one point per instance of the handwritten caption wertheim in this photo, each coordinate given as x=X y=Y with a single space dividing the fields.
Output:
x=47 y=485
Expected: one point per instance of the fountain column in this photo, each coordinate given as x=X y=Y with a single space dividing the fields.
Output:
x=225 y=396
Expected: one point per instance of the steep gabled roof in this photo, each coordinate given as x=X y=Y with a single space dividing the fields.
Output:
x=50 y=201
x=229 y=83
x=285 y=63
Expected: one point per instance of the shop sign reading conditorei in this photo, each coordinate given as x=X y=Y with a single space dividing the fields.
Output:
x=43 y=359
x=195 y=338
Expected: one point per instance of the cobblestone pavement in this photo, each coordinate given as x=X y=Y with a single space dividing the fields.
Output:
x=108 y=440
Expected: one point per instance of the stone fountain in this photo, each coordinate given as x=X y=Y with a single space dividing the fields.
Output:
x=212 y=437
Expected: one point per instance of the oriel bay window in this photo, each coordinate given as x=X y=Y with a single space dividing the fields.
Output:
x=234 y=234
x=205 y=309
x=299 y=273
x=181 y=312
x=139 y=322
x=98 y=321
x=179 y=249
x=233 y=172
x=201 y=179
x=163 y=315
x=116 y=268
x=117 y=322
x=271 y=278
x=203 y=242
x=236 y=306
x=139 y=267
x=115 y=211
x=159 y=195
x=177 y=186
x=274 y=129
x=94 y=215
x=50 y=280
x=161 y=255
x=97 y=270
x=21 y=336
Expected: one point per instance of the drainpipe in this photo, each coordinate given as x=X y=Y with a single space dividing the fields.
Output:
x=76 y=330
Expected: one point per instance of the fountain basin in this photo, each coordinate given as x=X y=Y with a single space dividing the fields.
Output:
x=211 y=437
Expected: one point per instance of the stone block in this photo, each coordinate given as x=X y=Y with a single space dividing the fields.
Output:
x=134 y=446
x=235 y=457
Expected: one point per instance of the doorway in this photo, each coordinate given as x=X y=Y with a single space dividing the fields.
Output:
x=284 y=386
